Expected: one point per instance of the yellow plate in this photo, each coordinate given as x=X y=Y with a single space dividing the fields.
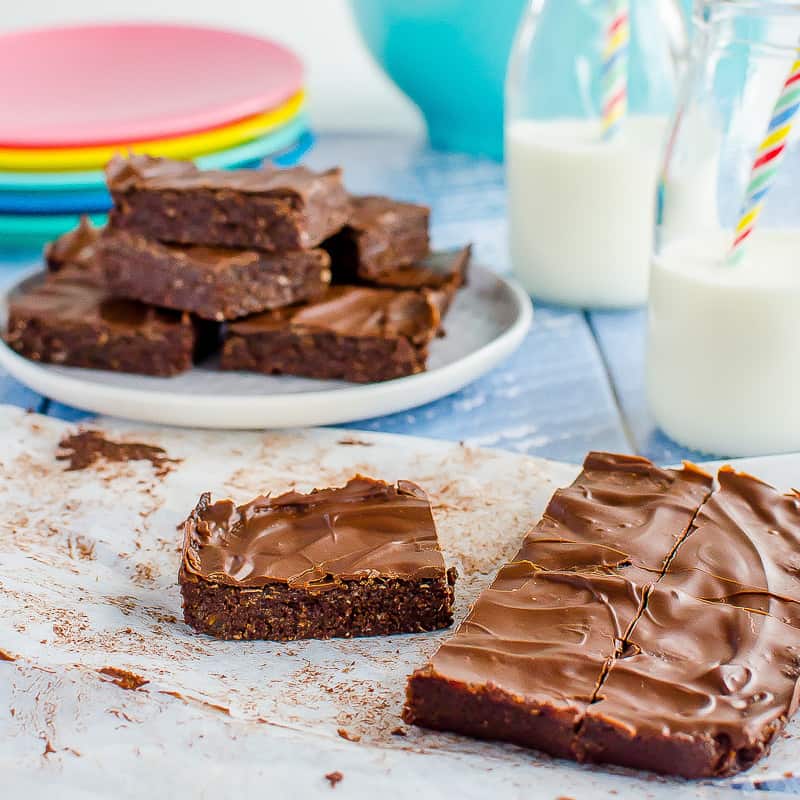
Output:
x=53 y=159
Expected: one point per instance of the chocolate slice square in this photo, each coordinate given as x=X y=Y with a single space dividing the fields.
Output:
x=264 y=209
x=621 y=510
x=699 y=690
x=214 y=283
x=526 y=663
x=744 y=549
x=362 y=560
x=381 y=235
x=69 y=319
x=352 y=333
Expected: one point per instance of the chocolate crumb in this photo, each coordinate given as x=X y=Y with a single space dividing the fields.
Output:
x=6 y=656
x=352 y=442
x=398 y=731
x=48 y=748
x=333 y=778
x=123 y=678
x=351 y=737
x=84 y=449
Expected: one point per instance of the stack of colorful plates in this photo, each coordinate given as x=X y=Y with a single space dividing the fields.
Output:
x=223 y=99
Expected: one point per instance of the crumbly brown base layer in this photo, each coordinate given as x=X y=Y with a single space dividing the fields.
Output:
x=323 y=355
x=697 y=756
x=368 y=607
x=487 y=712
x=139 y=270
x=228 y=218
x=161 y=353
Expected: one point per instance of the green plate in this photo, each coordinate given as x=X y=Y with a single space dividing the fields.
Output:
x=223 y=159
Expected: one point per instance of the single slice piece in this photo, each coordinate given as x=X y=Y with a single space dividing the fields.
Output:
x=381 y=234
x=701 y=690
x=264 y=209
x=70 y=320
x=525 y=664
x=352 y=333
x=212 y=282
x=363 y=560
x=620 y=510
x=528 y=662
x=76 y=248
x=744 y=549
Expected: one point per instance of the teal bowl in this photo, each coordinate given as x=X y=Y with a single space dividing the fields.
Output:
x=449 y=57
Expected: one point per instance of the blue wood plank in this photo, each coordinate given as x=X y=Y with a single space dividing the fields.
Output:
x=66 y=413
x=621 y=338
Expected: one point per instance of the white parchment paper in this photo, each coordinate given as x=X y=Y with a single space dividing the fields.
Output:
x=88 y=564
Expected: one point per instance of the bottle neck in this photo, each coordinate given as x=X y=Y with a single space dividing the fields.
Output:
x=769 y=24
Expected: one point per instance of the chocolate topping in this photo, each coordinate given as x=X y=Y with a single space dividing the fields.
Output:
x=315 y=541
x=294 y=185
x=715 y=676
x=72 y=295
x=620 y=510
x=374 y=211
x=75 y=247
x=446 y=269
x=744 y=549
x=354 y=311
x=544 y=636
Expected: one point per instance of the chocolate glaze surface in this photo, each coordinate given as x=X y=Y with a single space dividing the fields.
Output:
x=544 y=636
x=354 y=311
x=72 y=295
x=445 y=269
x=717 y=681
x=314 y=541
x=294 y=185
x=744 y=549
x=620 y=510
x=76 y=247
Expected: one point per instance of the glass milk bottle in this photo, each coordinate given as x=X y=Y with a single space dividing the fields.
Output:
x=589 y=91
x=724 y=314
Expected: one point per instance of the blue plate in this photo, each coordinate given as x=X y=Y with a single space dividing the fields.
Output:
x=28 y=232
x=257 y=149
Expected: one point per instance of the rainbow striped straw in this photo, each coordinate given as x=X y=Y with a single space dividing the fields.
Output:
x=615 y=67
x=768 y=158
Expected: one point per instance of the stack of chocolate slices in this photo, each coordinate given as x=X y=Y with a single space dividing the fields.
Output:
x=284 y=268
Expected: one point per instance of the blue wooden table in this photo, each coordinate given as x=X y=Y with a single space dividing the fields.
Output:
x=577 y=382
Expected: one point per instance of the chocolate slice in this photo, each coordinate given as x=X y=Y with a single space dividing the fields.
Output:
x=352 y=333
x=362 y=560
x=701 y=690
x=214 y=283
x=381 y=235
x=264 y=209
x=69 y=319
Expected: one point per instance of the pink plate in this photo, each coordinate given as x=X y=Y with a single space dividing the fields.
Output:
x=109 y=84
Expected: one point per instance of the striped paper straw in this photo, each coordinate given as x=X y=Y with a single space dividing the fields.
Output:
x=768 y=158
x=615 y=67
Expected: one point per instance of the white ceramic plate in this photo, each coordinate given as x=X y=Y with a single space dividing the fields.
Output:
x=487 y=322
